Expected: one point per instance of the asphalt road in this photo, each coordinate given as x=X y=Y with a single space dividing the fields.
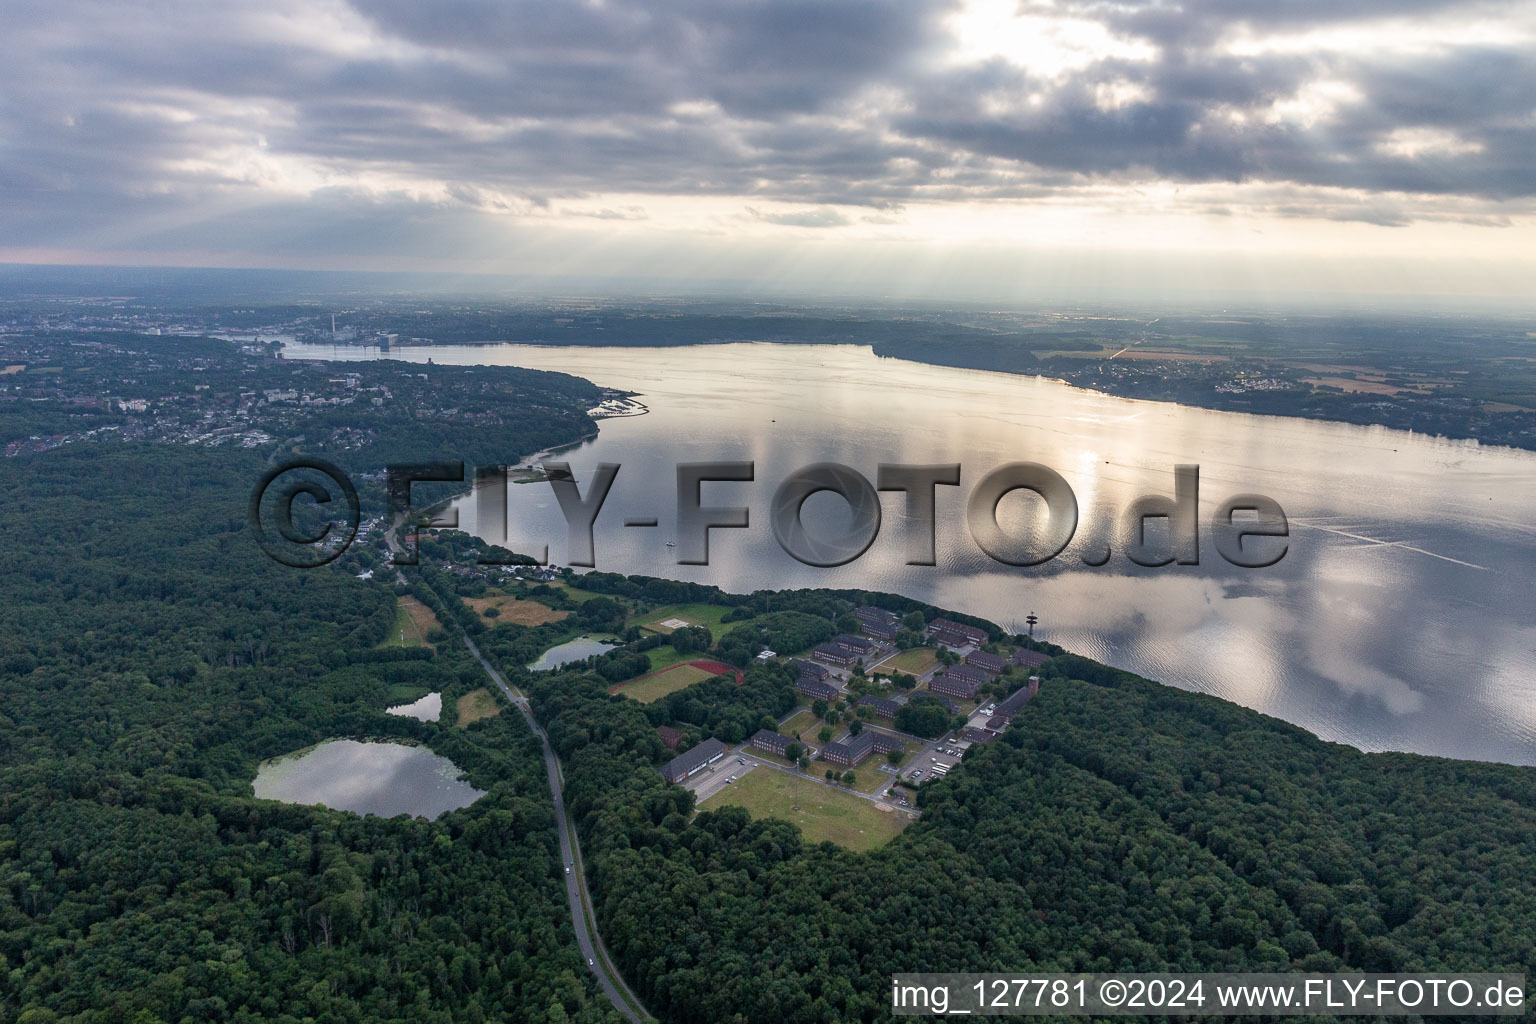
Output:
x=590 y=943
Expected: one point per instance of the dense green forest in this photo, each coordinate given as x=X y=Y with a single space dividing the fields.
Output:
x=150 y=658
x=1120 y=825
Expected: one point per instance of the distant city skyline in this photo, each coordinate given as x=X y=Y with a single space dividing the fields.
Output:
x=974 y=149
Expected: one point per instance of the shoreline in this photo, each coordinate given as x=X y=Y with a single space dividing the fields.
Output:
x=1209 y=407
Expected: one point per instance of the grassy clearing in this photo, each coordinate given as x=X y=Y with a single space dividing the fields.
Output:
x=515 y=611
x=413 y=621
x=404 y=693
x=666 y=656
x=574 y=593
x=694 y=614
x=803 y=723
x=914 y=662
x=475 y=705
x=654 y=687
x=868 y=776
x=822 y=812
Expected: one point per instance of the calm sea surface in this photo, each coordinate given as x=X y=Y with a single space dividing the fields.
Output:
x=1403 y=616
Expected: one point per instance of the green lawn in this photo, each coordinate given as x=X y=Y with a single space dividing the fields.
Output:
x=654 y=687
x=803 y=722
x=822 y=812
x=914 y=662
x=666 y=656
x=869 y=776
x=404 y=693
x=694 y=614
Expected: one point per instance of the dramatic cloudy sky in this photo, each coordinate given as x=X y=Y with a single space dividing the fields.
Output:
x=1377 y=145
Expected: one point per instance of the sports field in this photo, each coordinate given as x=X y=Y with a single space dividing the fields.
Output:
x=822 y=812
x=658 y=684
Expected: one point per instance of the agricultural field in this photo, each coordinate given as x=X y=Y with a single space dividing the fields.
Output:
x=821 y=811
x=520 y=612
x=475 y=705
x=657 y=685
x=413 y=621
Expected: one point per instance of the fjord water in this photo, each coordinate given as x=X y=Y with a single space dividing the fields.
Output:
x=1403 y=616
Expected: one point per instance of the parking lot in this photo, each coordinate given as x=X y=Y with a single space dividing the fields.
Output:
x=715 y=778
x=944 y=752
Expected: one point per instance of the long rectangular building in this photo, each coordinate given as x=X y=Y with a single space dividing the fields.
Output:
x=862 y=646
x=802 y=667
x=1026 y=658
x=882 y=706
x=986 y=662
x=953 y=686
x=815 y=689
x=835 y=653
x=773 y=742
x=877 y=622
x=691 y=762
x=956 y=634
x=1018 y=698
x=851 y=751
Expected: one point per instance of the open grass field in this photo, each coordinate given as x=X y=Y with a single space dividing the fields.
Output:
x=413 y=621
x=475 y=705
x=691 y=614
x=803 y=723
x=510 y=609
x=666 y=656
x=868 y=775
x=405 y=693
x=574 y=593
x=822 y=812
x=914 y=662
x=657 y=685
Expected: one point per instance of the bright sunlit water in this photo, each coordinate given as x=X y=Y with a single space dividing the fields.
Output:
x=1403 y=616
x=426 y=709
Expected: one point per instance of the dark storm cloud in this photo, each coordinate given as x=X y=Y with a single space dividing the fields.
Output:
x=507 y=106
